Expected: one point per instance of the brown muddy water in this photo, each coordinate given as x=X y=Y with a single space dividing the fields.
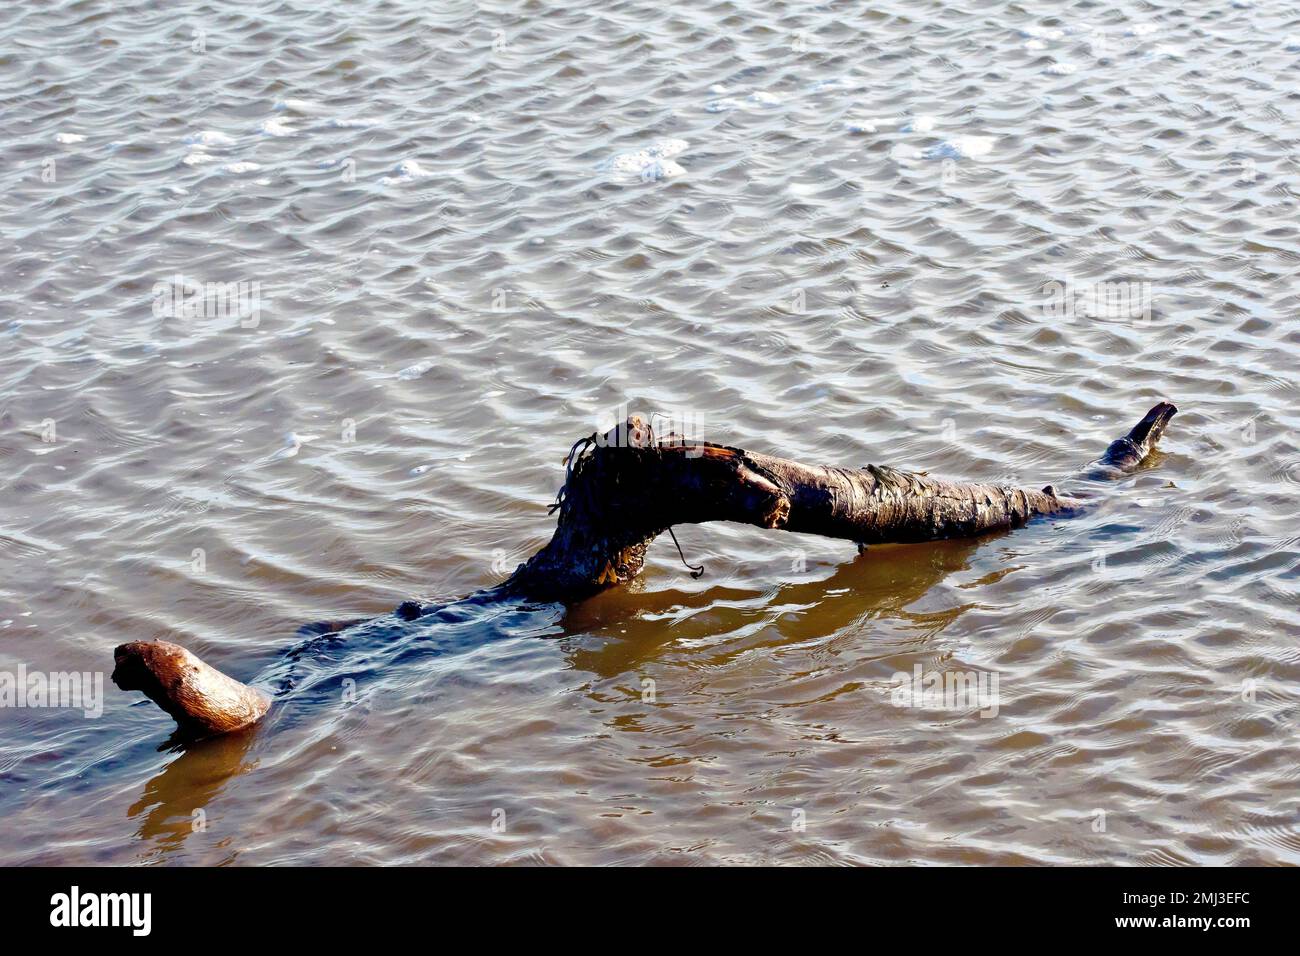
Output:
x=471 y=234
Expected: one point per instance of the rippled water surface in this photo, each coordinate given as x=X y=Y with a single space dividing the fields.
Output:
x=479 y=231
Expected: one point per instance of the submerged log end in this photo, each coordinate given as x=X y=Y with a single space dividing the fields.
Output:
x=203 y=701
x=1125 y=454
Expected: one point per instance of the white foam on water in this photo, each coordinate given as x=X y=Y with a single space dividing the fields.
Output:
x=243 y=167
x=1062 y=69
x=297 y=106
x=1142 y=29
x=919 y=124
x=412 y=372
x=407 y=171
x=1293 y=43
x=962 y=147
x=68 y=139
x=274 y=127
x=760 y=98
x=292 y=445
x=647 y=168
x=668 y=147
x=210 y=137
x=722 y=105
x=197 y=158
x=650 y=164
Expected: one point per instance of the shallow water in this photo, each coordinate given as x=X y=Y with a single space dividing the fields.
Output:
x=480 y=232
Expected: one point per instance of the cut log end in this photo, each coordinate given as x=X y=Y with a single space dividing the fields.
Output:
x=203 y=701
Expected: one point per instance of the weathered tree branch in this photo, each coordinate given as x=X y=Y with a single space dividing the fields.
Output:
x=625 y=488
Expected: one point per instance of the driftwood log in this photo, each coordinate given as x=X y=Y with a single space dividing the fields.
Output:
x=625 y=488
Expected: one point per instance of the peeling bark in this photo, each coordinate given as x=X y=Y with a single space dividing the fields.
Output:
x=625 y=488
